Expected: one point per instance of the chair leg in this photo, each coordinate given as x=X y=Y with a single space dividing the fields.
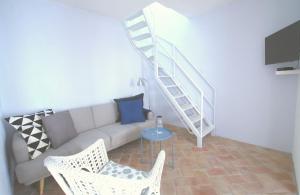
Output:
x=42 y=185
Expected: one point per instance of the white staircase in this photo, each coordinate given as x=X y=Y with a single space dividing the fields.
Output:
x=181 y=82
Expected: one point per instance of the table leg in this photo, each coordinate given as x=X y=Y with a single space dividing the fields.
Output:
x=151 y=154
x=142 y=151
x=173 y=155
x=160 y=145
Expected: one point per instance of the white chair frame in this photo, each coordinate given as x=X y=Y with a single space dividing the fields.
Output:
x=79 y=174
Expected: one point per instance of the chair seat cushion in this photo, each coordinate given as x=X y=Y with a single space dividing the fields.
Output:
x=121 y=171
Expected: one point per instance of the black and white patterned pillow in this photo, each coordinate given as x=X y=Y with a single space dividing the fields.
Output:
x=30 y=126
x=36 y=139
x=34 y=119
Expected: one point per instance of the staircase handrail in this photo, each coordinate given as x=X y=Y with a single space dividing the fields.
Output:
x=192 y=65
x=181 y=69
x=186 y=74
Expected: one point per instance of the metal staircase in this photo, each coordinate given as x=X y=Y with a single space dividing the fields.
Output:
x=181 y=82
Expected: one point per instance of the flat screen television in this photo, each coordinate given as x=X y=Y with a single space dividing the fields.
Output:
x=284 y=45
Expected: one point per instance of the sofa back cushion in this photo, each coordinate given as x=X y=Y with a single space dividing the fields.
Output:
x=60 y=128
x=105 y=114
x=83 y=119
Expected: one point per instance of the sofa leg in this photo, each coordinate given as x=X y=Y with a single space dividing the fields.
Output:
x=42 y=185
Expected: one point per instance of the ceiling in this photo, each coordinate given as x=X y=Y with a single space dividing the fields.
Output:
x=121 y=9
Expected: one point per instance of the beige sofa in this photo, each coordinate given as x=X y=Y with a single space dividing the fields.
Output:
x=91 y=124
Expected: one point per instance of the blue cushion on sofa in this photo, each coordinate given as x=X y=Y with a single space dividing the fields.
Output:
x=131 y=111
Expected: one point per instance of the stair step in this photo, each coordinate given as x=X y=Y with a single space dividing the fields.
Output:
x=207 y=130
x=187 y=107
x=146 y=48
x=151 y=58
x=138 y=14
x=206 y=122
x=141 y=37
x=137 y=26
x=164 y=76
x=178 y=96
x=171 y=86
x=195 y=118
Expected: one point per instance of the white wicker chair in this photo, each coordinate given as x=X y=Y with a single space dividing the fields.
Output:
x=79 y=174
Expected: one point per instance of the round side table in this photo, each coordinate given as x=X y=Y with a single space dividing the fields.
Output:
x=154 y=135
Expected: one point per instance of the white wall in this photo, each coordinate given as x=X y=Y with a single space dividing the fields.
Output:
x=5 y=184
x=253 y=105
x=296 y=149
x=63 y=57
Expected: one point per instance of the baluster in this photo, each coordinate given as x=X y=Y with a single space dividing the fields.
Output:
x=201 y=110
x=173 y=61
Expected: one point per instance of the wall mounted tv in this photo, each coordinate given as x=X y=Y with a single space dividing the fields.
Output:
x=284 y=45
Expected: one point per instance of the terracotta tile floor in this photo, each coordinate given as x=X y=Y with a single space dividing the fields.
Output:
x=222 y=167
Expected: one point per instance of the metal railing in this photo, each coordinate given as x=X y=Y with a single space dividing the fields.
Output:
x=172 y=55
x=179 y=73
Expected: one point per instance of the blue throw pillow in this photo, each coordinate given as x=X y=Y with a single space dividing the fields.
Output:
x=131 y=111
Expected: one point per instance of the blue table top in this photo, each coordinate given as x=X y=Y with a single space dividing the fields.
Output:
x=156 y=134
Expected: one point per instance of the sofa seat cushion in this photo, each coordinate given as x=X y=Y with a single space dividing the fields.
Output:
x=121 y=134
x=124 y=172
x=31 y=171
x=85 y=139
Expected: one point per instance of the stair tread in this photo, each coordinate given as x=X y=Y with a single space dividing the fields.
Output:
x=146 y=48
x=178 y=96
x=138 y=14
x=206 y=130
x=142 y=36
x=164 y=76
x=137 y=26
x=171 y=86
x=151 y=58
x=195 y=118
x=207 y=126
x=187 y=106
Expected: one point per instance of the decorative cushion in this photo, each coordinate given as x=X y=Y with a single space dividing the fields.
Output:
x=139 y=96
x=145 y=111
x=120 y=171
x=30 y=126
x=60 y=128
x=131 y=111
x=36 y=139
x=34 y=119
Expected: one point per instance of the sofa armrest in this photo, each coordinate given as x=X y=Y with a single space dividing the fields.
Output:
x=150 y=115
x=19 y=148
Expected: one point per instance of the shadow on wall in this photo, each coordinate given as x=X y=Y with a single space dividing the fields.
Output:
x=10 y=159
x=7 y=163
